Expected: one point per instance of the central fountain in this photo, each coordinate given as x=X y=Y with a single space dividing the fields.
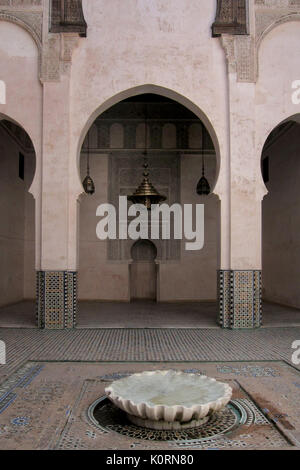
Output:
x=169 y=400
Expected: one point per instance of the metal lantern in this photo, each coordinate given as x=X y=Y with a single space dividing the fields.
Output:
x=88 y=183
x=203 y=187
x=146 y=193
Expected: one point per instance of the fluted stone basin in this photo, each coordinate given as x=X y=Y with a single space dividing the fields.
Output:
x=168 y=399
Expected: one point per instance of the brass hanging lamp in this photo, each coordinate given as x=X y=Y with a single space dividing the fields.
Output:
x=88 y=183
x=203 y=186
x=146 y=193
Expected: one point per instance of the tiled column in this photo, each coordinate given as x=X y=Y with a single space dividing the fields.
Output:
x=240 y=271
x=239 y=298
x=56 y=299
x=57 y=261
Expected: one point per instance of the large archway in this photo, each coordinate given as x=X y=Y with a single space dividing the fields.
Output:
x=280 y=165
x=17 y=229
x=178 y=145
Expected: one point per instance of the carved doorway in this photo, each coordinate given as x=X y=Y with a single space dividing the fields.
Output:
x=143 y=271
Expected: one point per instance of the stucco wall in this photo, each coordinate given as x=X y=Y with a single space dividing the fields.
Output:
x=149 y=45
x=281 y=221
x=98 y=278
x=194 y=277
x=135 y=47
x=191 y=278
x=19 y=69
x=17 y=224
x=278 y=67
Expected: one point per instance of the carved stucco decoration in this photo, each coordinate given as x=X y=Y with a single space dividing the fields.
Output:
x=55 y=50
x=242 y=50
x=22 y=3
x=57 y=56
x=31 y=21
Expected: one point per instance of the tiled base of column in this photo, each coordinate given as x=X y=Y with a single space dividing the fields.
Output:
x=56 y=299
x=239 y=298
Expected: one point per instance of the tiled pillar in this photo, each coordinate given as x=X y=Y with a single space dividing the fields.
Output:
x=56 y=299
x=57 y=256
x=239 y=298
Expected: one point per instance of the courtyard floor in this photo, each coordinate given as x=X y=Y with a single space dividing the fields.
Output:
x=92 y=314
x=52 y=377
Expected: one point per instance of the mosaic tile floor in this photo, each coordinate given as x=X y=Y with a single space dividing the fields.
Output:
x=50 y=375
x=44 y=405
x=146 y=345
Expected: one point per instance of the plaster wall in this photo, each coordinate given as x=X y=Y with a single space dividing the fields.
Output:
x=281 y=221
x=254 y=110
x=140 y=46
x=194 y=276
x=98 y=279
x=152 y=49
x=278 y=67
x=17 y=247
x=19 y=69
x=191 y=278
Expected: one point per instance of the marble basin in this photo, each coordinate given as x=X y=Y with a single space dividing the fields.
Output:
x=168 y=399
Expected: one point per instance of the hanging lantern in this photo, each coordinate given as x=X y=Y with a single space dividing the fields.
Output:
x=203 y=185
x=146 y=193
x=88 y=183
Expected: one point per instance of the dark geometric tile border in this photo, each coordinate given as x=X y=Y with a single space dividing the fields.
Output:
x=20 y=379
x=56 y=299
x=239 y=298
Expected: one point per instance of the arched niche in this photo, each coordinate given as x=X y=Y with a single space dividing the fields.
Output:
x=143 y=271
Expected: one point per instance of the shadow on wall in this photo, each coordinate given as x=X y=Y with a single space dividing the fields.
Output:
x=281 y=216
x=17 y=214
